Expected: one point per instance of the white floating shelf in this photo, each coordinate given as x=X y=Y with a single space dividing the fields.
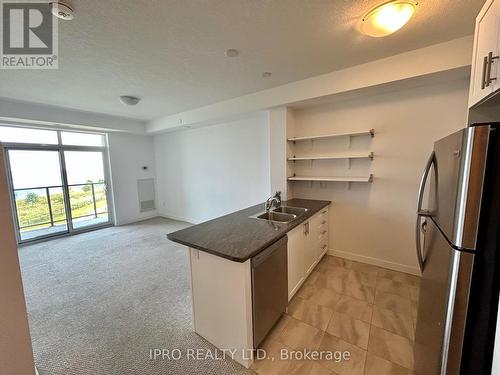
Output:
x=332 y=179
x=370 y=132
x=333 y=157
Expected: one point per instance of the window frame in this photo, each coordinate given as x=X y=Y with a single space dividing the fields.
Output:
x=60 y=148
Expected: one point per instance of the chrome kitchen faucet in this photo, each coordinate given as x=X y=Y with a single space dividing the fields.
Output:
x=274 y=200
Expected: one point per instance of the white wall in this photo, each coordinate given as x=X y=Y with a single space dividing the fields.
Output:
x=278 y=119
x=128 y=154
x=375 y=222
x=208 y=172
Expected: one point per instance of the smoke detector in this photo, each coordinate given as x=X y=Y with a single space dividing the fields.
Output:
x=129 y=100
x=62 y=10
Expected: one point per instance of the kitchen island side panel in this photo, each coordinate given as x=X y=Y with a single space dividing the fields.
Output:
x=222 y=303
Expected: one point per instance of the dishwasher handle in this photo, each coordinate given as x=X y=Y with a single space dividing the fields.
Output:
x=261 y=257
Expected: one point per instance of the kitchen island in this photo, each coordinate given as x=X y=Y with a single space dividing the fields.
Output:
x=220 y=257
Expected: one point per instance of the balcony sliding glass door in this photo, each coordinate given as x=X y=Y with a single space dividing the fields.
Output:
x=60 y=188
x=38 y=193
x=87 y=189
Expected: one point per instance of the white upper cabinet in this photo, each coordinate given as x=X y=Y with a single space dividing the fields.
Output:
x=485 y=59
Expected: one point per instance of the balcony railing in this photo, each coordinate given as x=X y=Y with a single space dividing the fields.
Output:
x=41 y=207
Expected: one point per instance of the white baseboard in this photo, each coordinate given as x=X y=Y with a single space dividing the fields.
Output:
x=180 y=218
x=375 y=262
x=137 y=219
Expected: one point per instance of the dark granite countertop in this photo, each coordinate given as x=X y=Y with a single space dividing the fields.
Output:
x=237 y=237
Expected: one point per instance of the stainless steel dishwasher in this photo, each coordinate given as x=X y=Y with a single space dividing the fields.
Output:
x=269 y=288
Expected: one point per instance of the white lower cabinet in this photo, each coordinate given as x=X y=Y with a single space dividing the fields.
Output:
x=311 y=258
x=320 y=228
x=296 y=260
x=307 y=244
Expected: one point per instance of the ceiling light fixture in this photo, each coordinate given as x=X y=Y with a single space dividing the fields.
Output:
x=231 y=52
x=62 y=10
x=387 y=18
x=129 y=100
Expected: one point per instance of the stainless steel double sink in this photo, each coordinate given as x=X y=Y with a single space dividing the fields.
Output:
x=282 y=214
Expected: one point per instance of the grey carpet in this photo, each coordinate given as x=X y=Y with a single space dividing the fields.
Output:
x=99 y=301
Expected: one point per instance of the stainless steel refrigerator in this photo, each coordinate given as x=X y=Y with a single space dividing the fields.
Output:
x=457 y=233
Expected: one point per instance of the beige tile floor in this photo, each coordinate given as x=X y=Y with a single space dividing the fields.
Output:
x=347 y=306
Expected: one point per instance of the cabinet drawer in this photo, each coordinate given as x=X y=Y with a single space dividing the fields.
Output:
x=319 y=224
x=323 y=247
x=322 y=218
x=322 y=234
x=321 y=228
x=323 y=225
x=323 y=240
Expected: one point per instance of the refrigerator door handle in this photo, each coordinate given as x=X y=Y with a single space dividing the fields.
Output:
x=420 y=258
x=420 y=226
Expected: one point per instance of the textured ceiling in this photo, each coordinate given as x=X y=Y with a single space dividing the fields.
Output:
x=171 y=53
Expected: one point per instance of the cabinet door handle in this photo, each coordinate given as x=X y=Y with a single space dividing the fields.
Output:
x=483 y=80
x=324 y=212
x=489 y=79
x=323 y=222
x=323 y=232
x=324 y=247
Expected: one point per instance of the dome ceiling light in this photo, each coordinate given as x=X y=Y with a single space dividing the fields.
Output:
x=387 y=18
x=129 y=100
